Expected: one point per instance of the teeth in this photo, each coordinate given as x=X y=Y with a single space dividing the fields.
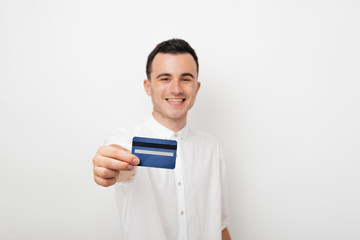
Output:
x=175 y=100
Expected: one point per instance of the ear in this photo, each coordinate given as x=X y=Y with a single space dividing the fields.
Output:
x=198 y=86
x=147 y=86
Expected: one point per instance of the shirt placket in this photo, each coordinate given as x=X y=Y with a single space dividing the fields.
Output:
x=180 y=189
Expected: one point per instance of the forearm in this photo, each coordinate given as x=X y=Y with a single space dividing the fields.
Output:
x=225 y=235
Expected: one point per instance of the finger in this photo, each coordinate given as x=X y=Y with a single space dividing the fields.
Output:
x=105 y=172
x=118 y=153
x=105 y=182
x=113 y=164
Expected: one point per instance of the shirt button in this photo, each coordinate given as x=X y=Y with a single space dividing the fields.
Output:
x=182 y=212
x=179 y=183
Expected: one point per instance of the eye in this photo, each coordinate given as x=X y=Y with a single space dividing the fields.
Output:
x=186 y=79
x=165 y=79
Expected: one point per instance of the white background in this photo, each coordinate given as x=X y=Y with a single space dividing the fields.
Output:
x=280 y=89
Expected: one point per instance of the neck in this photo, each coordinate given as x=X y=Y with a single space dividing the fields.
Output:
x=174 y=125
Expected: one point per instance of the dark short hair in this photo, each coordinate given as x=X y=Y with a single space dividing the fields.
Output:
x=172 y=46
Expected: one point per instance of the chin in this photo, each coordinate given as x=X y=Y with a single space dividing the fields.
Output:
x=176 y=116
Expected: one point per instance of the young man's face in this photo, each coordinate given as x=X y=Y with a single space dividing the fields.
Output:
x=173 y=86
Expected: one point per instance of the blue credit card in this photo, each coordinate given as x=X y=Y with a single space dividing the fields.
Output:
x=153 y=152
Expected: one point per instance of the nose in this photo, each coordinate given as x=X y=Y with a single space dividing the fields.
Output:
x=176 y=87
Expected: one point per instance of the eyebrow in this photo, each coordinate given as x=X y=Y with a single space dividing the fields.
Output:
x=187 y=74
x=164 y=75
x=169 y=75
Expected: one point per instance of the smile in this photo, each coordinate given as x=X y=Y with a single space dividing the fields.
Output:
x=175 y=100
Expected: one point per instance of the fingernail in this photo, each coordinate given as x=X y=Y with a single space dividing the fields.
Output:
x=136 y=161
x=130 y=167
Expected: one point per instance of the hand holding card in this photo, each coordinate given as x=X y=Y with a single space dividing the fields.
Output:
x=153 y=152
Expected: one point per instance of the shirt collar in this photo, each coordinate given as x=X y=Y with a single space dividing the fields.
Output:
x=164 y=132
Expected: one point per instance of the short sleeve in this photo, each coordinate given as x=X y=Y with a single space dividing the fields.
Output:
x=225 y=218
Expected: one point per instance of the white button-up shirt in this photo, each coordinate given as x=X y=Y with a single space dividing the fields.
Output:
x=188 y=202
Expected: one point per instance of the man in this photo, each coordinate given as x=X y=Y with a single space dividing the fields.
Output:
x=188 y=202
